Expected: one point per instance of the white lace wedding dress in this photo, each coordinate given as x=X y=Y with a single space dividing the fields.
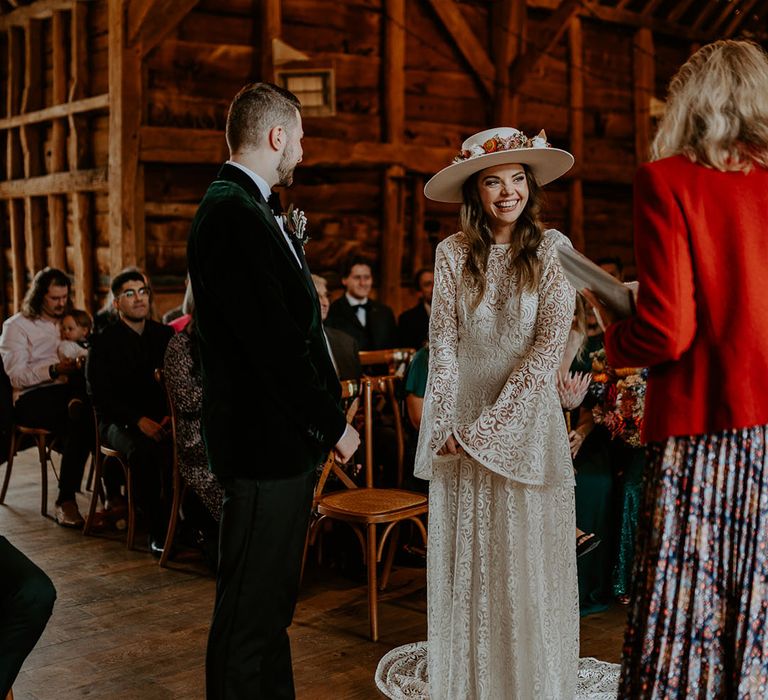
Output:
x=501 y=563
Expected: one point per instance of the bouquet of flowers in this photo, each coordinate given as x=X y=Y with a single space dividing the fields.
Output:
x=620 y=396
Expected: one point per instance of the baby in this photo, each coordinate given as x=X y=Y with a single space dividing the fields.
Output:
x=75 y=329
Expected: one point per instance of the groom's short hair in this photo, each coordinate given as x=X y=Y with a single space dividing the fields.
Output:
x=256 y=109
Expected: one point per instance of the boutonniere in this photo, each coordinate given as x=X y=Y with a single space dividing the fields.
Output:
x=295 y=221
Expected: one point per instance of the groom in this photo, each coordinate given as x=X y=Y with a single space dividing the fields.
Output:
x=270 y=404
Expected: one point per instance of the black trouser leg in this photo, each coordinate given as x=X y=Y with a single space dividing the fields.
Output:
x=26 y=602
x=47 y=408
x=148 y=460
x=261 y=541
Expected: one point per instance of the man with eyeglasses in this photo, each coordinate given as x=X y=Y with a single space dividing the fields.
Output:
x=130 y=404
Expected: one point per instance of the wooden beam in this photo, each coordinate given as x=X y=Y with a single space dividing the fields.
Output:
x=392 y=236
x=79 y=153
x=738 y=19
x=137 y=14
x=551 y=32
x=271 y=20
x=643 y=63
x=94 y=180
x=679 y=10
x=394 y=70
x=705 y=11
x=18 y=268
x=171 y=210
x=576 y=100
x=650 y=8
x=57 y=204
x=42 y=9
x=180 y=146
x=509 y=22
x=31 y=144
x=148 y=22
x=57 y=111
x=14 y=166
x=625 y=18
x=126 y=215
x=466 y=42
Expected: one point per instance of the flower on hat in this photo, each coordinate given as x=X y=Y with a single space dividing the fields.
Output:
x=503 y=143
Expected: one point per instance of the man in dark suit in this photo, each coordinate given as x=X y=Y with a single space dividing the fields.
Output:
x=130 y=404
x=271 y=409
x=413 y=324
x=369 y=322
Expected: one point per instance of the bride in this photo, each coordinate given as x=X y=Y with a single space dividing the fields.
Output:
x=501 y=565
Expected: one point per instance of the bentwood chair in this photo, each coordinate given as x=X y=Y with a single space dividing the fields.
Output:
x=373 y=513
x=101 y=455
x=179 y=487
x=44 y=439
x=395 y=359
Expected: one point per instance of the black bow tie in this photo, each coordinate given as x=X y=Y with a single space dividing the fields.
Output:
x=364 y=306
x=274 y=204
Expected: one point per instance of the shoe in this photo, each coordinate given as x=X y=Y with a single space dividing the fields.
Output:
x=155 y=547
x=586 y=543
x=116 y=509
x=68 y=515
x=75 y=409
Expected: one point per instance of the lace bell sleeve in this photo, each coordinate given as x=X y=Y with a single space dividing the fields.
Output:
x=516 y=434
x=439 y=413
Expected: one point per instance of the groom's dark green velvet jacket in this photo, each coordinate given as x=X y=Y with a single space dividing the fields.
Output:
x=270 y=394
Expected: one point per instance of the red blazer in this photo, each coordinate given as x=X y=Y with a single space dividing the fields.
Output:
x=701 y=244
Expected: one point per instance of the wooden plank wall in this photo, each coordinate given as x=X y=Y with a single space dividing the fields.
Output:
x=413 y=79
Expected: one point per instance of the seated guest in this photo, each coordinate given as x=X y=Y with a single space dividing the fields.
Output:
x=185 y=385
x=130 y=404
x=107 y=314
x=26 y=603
x=41 y=392
x=75 y=330
x=413 y=324
x=341 y=347
x=369 y=322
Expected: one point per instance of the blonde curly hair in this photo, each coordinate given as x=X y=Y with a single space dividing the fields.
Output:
x=717 y=108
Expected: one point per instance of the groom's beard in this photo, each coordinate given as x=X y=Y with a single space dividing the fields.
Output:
x=286 y=166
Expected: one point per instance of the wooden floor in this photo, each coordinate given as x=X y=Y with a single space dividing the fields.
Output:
x=124 y=628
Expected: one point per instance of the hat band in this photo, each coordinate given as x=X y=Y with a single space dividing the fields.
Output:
x=503 y=143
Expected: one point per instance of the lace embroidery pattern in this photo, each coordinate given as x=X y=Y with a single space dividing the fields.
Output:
x=492 y=368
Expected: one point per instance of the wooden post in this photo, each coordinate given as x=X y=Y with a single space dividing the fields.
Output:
x=576 y=96
x=126 y=200
x=57 y=204
x=14 y=168
x=419 y=240
x=31 y=144
x=392 y=236
x=509 y=20
x=271 y=28
x=78 y=158
x=394 y=70
x=643 y=68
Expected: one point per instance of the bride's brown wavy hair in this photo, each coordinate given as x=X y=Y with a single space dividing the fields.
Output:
x=526 y=237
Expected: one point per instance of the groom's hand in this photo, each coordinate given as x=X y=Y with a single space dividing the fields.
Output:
x=347 y=446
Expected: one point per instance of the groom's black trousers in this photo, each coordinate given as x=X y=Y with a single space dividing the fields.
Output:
x=261 y=542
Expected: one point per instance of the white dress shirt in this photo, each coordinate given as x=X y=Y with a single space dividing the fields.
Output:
x=261 y=183
x=360 y=311
x=29 y=346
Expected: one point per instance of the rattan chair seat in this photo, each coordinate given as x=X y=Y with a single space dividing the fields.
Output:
x=371 y=502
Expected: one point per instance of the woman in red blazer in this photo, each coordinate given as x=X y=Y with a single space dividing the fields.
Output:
x=697 y=626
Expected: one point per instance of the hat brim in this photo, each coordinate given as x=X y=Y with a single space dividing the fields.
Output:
x=547 y=164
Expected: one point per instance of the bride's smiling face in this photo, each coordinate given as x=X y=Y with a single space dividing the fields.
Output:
x=503 y=191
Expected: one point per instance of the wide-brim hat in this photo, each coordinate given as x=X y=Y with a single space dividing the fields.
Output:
x=496 y=147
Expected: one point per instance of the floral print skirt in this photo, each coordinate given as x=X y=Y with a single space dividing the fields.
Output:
x=697 y=625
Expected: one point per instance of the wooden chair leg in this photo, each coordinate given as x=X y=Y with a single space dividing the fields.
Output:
x=95 y=494
x=373 y=613
x=89 y=480
x=10 y=695
x=43 y=473
x=391 y=551
x=9 y=466
x=131 y=508
x=172 y=521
